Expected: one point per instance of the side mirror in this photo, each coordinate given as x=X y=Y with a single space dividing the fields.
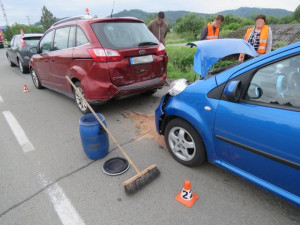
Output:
x=232 y=91
x=254 y=91
x=33 y=50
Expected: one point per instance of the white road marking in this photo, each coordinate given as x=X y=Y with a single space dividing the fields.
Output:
x=62 y=205
x=1 y=99
x=18 y=131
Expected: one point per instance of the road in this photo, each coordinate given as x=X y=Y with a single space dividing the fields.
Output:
x=47 y=179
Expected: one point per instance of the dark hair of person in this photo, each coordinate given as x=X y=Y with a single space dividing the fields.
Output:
x=261 y=16
x=161 y=15
x=220 y=18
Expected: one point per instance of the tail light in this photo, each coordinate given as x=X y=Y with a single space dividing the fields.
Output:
x=23 y=42
x=105 y=55
x=160 y=49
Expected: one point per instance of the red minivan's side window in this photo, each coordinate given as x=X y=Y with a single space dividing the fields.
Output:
x=61 y=38
x=45 y=44
x=81 y=39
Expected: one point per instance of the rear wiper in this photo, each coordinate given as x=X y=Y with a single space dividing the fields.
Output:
x=147 y=43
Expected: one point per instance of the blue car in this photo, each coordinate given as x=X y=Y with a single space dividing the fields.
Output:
x=245 y=119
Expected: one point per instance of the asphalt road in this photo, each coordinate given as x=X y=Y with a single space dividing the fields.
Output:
x=46 y=178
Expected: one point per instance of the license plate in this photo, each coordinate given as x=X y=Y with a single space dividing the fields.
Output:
x=141 y=60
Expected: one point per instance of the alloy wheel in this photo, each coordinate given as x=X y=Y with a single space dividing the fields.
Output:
x=182 y=143
x=82 y=106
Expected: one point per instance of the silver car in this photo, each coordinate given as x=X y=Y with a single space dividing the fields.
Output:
x=17 y=52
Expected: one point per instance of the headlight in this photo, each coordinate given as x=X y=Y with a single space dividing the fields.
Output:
x=177 y=86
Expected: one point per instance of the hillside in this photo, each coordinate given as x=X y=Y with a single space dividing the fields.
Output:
x=171 y=16
x=246 y=11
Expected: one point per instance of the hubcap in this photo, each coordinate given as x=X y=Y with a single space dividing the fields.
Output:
x=182 y=144
x=34 y=78
x=79 y=100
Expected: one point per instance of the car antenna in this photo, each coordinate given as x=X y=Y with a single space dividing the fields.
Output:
x=112 y=10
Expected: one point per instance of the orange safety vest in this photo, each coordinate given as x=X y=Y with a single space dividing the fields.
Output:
x=211 y=35
x=263 y=38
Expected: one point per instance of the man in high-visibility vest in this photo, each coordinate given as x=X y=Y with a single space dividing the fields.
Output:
x=259 y=36
x=211 y=30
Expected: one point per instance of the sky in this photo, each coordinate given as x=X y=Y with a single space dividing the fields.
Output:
x=30 y=11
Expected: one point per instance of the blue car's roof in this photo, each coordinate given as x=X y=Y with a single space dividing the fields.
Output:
x=211 y=51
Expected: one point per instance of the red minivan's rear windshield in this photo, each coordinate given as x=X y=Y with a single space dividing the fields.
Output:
x=122 y=35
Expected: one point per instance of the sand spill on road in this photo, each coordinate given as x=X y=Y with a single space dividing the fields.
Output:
x=145 y=124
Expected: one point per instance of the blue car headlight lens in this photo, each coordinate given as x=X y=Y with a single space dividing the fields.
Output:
x=177 y=86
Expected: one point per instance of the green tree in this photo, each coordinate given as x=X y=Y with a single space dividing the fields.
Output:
x=47 y=18
x=286 y=19
x=191 y=24
x=297 y=14
x=150 y=18
x=15 y=29
x=8 y=33
x=273 y=20
x=229 y=19
x=232 y=26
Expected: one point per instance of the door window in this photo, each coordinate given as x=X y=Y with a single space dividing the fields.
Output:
x=81 y=39
x=45 y=44
x=277 y=84
x=61 y=38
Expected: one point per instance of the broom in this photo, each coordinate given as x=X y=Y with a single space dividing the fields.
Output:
x=142 y=178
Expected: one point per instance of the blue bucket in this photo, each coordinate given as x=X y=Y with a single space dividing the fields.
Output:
x=93 y=137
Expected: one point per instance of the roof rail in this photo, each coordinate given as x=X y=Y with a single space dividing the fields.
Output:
x=80 y=17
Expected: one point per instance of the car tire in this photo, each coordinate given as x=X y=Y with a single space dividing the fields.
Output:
x=10 y=62
x=35 y=79
x=184 y=143
x=79 y=102
x=22 y=68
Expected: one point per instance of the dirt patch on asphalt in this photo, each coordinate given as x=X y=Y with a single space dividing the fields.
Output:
x=145 y=124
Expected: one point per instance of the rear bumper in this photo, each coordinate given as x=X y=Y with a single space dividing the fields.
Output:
x=143 y=86
x=130 y=90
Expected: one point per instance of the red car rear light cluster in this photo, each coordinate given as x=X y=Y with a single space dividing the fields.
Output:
x=160 y=49
x=105 y=55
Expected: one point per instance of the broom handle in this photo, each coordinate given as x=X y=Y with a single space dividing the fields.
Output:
x=104 y=127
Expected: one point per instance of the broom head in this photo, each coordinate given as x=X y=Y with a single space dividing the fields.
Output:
x=140 y=180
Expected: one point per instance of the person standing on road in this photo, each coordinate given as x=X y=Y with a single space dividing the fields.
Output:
x=211 y=30
x=259 y=36
x=159 y=27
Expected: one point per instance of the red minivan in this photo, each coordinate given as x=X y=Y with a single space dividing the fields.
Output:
x=106 y=58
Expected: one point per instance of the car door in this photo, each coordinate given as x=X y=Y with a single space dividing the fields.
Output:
x=42 y=65
x=61 y=58
x=259 y=137
x=9 y=48
x=12 y=50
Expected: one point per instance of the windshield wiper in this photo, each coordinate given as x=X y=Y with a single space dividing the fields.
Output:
x=147 y=43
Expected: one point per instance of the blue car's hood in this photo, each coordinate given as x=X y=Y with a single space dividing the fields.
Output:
x=211 y=51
